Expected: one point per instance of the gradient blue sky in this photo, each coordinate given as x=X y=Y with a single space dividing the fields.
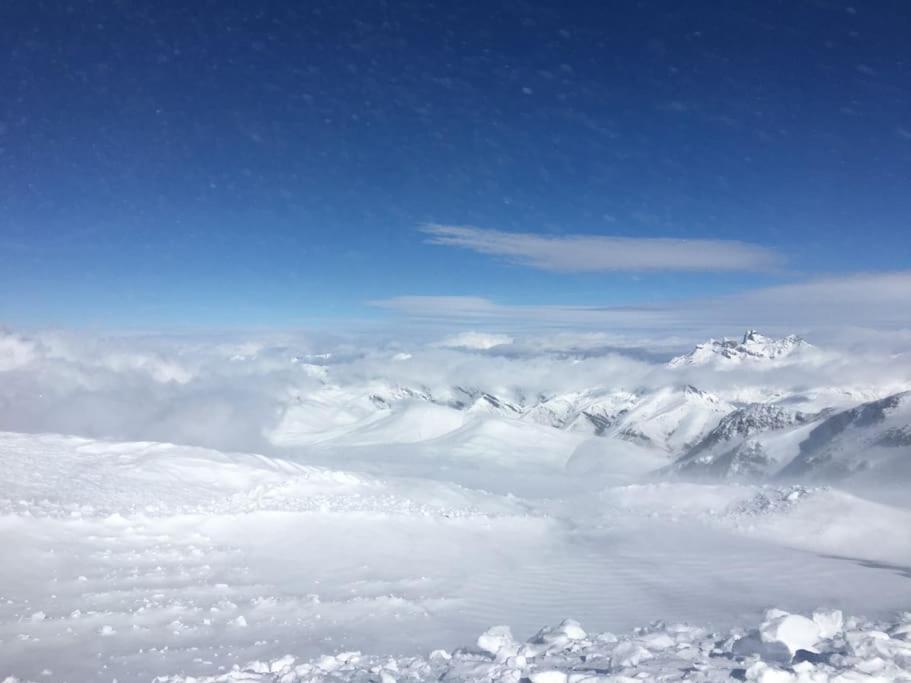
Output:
x=235 y=163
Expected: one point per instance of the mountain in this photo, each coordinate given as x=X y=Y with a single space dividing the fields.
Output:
x=747 y=443
x=871 y=440
x=752 y=347
x=754 y=431
x=669 y=419
x=479 y=401
x=592 y=412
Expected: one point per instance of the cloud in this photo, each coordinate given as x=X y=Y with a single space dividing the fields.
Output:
x=580 y=253
x=15 y=351
x=186 y=390
x=471 y=309
x=872 y=298
x=230 y=393
x=838 y=303
x=475 y=340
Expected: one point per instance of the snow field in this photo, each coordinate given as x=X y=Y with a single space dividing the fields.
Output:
x=136 y=560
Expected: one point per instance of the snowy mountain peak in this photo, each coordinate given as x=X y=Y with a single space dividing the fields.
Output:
x=752 y=347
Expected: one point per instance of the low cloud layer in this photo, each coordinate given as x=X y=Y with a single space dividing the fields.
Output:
x=229 y=393
x=580 y=253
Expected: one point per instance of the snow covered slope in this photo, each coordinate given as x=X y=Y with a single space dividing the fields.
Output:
x=70 y=477
x=137 y=560
x=870 y=441
x=593 y=411
x=666 y=419
x=670 y=419
x=747 y=443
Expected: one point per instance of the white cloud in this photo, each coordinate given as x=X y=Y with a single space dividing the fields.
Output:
x=860 y=298
x=183 y=390
x=577 y=253
x=475 y=340
x=15 y=351
x=838 y=303
x=470 y=309
x=198 y=390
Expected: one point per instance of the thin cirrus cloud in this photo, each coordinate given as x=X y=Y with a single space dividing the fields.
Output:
x=587 y=253
x=872 y=300
x=471 y=309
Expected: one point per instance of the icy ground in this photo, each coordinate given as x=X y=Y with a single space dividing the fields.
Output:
x=132 y=561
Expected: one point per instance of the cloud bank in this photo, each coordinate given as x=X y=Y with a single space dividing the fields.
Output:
x=231 y=393
x=586 y=253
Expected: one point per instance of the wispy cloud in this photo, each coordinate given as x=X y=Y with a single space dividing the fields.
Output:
x=874 y=300
x=471 y=309
x=578 y=253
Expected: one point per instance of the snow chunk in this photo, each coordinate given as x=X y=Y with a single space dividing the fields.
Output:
x=763 y=673
x=866 y=652
x=548 y=677
x=499 y=642
x=555 y=638
x=630 y=654
x=830 y=622
x=793 y=630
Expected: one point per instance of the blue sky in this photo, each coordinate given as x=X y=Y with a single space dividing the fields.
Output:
x=235 y=163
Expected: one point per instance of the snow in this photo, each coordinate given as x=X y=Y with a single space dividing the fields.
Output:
x=865 y=441
x=358 y=515
x=860 y=650
x=753 y=348
x=150 y=559
x=829 y=622
x=671 y=418
x=794 y=631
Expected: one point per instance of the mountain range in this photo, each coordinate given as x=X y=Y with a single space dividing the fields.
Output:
x=830 y=432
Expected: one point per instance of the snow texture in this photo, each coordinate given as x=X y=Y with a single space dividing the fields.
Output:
x=790 y=648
